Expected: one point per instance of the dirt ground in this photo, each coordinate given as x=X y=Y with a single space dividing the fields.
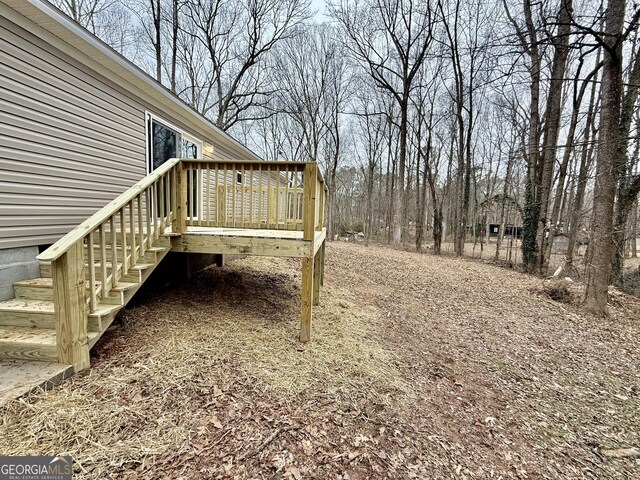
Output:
x=420 y=367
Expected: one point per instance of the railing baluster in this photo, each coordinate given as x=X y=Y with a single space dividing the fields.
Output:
x=297 y=200
x=277 y=175
x=216 y=190
x=149 y=210
x=208 y=197
x=242 y=209
x=156 y=214
x=92 y=272
x=167 y=199
x=123 y=239
x=286 y=201
x=190 y=193
x=234 y=185
x=132 y=233
x=251 y=225
x=260 y=196
x=114 y=251
x=161 y=202
x=140 y=225
x=225 y=181
x=103 y=259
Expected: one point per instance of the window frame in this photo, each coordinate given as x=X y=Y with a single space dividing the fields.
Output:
x=182 y=135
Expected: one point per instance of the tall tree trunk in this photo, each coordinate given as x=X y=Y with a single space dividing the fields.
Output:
x=559 y=196
x=581 y=183
x=552 y=123
x=633 y=230
x=157 y=43
x=369 y=213
x=599 y=269
x=401 y=197
x=531 y=211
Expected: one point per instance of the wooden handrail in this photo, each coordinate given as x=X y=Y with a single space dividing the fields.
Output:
x=249 y=162
x=285 y=163
x=94 y=221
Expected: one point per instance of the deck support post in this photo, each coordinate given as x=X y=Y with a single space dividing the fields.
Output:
x=307 y=299
x=317 y=272
x=324 y=242
x=309 y=193
x=70 y=312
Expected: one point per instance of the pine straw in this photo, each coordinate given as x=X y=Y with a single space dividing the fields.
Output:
x=231 y=331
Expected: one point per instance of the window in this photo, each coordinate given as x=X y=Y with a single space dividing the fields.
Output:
x=165 y=141
x=239 y=178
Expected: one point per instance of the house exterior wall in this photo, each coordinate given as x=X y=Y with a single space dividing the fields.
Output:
x=70 y=139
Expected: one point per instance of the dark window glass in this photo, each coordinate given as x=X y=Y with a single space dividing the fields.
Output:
x=165 y=144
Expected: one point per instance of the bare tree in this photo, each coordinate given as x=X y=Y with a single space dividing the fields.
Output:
x=237 y=36
x=599 y=270
x=390 y=39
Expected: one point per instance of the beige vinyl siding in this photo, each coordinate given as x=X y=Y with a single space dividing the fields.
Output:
x=69 y=140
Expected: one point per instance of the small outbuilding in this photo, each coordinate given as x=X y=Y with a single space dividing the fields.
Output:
x=560 y=244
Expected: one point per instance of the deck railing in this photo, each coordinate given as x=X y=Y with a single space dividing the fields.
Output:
x=247 y=194
x=89 y=261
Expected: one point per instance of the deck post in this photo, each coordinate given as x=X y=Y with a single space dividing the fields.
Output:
x=179 y=224
x=324 y=242
x=307 y=299
x=70 y=313
x=317 y=271
x=308 y=234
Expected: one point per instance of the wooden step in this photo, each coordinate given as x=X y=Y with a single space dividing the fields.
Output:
x=125 y=286
x=21 y=312
x=133 y=275
x=39 y=289
x=101 y=318
x=34 y=289
x=25 y=343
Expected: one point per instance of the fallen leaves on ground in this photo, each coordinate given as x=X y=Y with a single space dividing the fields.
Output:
x=419 y=367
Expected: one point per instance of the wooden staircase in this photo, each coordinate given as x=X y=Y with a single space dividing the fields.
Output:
x=27 y=322
x=92 y=272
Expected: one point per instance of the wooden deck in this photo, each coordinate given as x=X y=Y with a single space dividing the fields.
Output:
x=192 y=206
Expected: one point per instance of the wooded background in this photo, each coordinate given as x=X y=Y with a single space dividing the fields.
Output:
x=431 y=119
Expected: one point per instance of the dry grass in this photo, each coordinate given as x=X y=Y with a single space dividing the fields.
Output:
x=231 y=330
x=420 y=367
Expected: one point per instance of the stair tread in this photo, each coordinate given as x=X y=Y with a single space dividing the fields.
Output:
x=123 y=286
x=104 y=309
x=26 y=305
x=142 y=266
x=35 y=282
x=119 y=248
x=139 y=266
x=42 y=336
x=45 y=337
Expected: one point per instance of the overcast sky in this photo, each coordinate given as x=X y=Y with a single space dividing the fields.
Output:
x=318 y=5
